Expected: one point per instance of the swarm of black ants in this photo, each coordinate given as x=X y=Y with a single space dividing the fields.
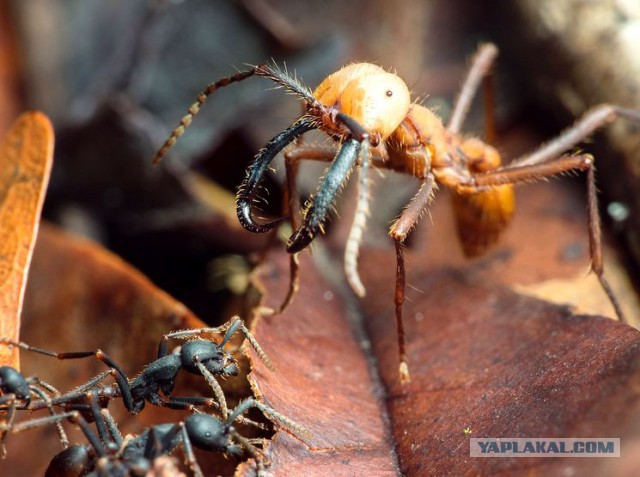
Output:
x=369 y=114
x=210 y=424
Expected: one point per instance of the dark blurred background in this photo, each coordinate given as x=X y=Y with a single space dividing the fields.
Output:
x=116 y=77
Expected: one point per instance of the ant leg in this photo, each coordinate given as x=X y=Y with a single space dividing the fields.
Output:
x=194 y=109
x=399 y=231
x=39 y=422
x=112 y=426
x=97 y=446
x=240 y=419
x=215 y=386
x=119 y=375
x=74 y=417
x=515 y=173
x=35 y=380
x=64 y=440
x=271 y=413
x=8 y=421
x=591 y=121
x=260 y=458
x=352 y=249
x=73 y=395
x=480 y=68
x=155 y=446
x=291 y=205
x=101 y=424
x=230 y=327
x=188 y=450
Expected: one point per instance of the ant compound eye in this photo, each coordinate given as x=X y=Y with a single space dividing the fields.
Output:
x=389 y=93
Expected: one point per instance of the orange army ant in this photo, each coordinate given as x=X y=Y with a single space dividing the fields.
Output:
x=369 y=113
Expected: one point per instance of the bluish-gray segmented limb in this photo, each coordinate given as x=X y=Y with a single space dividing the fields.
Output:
x=319 y=207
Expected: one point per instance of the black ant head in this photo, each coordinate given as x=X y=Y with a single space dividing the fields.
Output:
x=13 y=382
x=207 y=432
x=72 y=461
x=217 y=360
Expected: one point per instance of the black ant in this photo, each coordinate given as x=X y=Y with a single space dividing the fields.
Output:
x=16 y=392
x=370 y=115
x=108 y=454
x=196 y=356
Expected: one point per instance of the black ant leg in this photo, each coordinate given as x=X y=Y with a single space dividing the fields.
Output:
x=317 y=209
x=73 y=417
x=156 y=446
x=34 y=423
x=188 y=451
x=120 y=376
x=249 y=187
x=111 y=425
x=74 y=394
x=260 y=458
x=64 y=440
x=16 y=394
x=101 y=424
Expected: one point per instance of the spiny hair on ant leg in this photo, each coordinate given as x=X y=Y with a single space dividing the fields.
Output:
x=369 y=114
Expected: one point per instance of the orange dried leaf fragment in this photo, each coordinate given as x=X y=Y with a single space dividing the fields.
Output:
x=26 y=155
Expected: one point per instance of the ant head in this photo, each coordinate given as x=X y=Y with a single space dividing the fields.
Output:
x=12 y=381
x=207 y=432
x=73 y=460
x=376 y=99
x=213 y=357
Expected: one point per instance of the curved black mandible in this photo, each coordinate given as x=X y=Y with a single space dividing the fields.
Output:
x=249 y=187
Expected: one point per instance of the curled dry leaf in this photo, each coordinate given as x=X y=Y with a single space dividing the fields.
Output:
x=322 y=381
x=26 y=155
x=485 y=361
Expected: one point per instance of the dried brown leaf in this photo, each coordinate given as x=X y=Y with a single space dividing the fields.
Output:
x=485 y=361
x=26 y=155
x=322 y=381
